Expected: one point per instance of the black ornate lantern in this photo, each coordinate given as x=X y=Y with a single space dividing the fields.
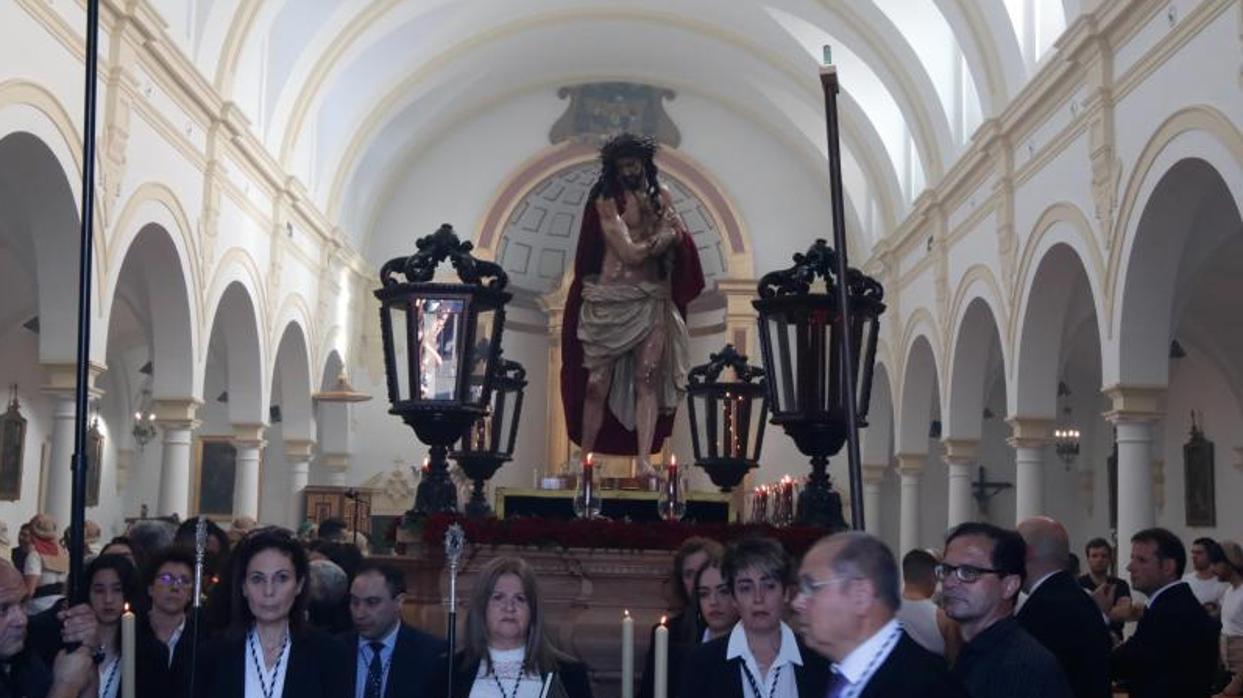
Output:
x=807 y=377
x=489 y=443
x=441 y=342
x=727 y=417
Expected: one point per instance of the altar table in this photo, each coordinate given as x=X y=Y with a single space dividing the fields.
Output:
x=702 y=507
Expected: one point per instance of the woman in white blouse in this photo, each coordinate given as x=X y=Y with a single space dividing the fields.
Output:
x=507 y=651
x=270 y=652
x=110 y=584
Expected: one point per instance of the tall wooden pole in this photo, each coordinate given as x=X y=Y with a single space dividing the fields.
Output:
x=77 y=508
x=828 y=80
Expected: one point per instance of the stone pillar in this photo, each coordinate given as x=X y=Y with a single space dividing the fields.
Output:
x=872 y=476
x=298 y=453
x=1134 y=411
x=557 y=442
x=175 y=418
x=740 y=317
x=125 y=461
x=1028 y=438
x=910 y=468
x=248 y=440
x=960 y=456
x=335 y=466
x=60 y=385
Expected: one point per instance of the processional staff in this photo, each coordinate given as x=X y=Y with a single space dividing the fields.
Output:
x=455 y=541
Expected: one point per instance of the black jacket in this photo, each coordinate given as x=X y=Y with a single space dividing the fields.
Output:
x=1004 y=661
x=1173 y=651
x=319 y=667
x=412 y=668
x=571 y=677
x=706 y=672
x=911 y=670
x=1067 y=622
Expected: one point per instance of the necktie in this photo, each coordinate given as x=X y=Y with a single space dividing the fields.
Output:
x=838 y=683
x=375 y=672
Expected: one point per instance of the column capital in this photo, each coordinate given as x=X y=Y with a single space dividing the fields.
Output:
x=62 y=379
x=299 y=450
x=248 y=435
x=1029 y=432
x=1134 y=403
x=176 y=413
x=911 y=463
x=873 y=473
x=961 y=451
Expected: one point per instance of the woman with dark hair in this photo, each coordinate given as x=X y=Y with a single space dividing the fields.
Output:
x=685 y=626
x=110 y=588
x=270 y=652
x=507 y=651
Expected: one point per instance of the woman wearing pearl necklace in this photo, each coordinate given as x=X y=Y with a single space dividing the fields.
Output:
x=270 y=652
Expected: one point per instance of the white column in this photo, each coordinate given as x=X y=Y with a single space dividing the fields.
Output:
x=125 y=461
x=910 y=467
x=335 y=465
x=175 y=469
x=1136 y=510
x=872 y=476
x=960 y=456
x=1028 y=438
x=298 y=455
x=60 y=459
x=248 y=440
x=1134 y=411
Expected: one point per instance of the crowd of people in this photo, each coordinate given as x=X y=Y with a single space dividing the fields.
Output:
x=995 y=613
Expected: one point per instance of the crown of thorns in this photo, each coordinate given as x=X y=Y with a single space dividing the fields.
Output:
x=628 y=145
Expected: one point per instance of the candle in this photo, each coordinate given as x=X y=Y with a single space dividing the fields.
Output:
x=661 y=683
x=627 y=677
x=427 y=464
x=127 y=653
x=588 y=486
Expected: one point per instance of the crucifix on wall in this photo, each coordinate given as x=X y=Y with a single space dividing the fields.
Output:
x=984 y=490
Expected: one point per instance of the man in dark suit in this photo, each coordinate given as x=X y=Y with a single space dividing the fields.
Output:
x=1174 y=649
x=848 y=595
x=391 y=659
x=1059 y=615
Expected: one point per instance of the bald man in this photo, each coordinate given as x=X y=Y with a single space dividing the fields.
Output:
x=1059 y=614
x=848 y=595
x=23 y=674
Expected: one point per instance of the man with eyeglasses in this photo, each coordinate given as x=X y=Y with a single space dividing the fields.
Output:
x=981 y=575
x=760 y=657
x=848 y=594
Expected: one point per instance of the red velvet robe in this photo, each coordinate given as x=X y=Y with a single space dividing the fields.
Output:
x=688 y=282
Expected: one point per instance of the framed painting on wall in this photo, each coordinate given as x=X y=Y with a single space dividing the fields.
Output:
x=215 y=466
x=94 y=463
x=12 y=450
x=1201 y=490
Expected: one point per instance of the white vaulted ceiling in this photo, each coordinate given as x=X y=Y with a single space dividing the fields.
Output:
x=343 y=91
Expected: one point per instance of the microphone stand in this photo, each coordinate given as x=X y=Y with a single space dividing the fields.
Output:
x=200 y=552
x=455 y=540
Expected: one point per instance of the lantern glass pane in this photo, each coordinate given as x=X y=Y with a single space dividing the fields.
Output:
x=733 y=425
x=503 y=403
x=480 y=355
x=751 y=408
x=783 y=344
x=401 y=359
x=864 y=347
x=441 y=321
x=700 y=426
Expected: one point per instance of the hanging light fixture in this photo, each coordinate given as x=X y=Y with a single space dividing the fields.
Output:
x=1065 y=436
x=144 y=428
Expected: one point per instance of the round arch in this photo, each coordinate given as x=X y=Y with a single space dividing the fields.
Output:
x=920 y=387
x=293 y=368
x=235 y=317
x=976 y=333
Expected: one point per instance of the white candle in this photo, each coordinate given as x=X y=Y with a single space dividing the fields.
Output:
x=627 y=677
x=661 y=682
x=127 y=653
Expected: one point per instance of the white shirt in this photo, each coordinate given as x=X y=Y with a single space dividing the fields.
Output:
x=506 y=667
x=110 y=677
x=364 y=661
x=1206 y=590
x=172 y=640
x=779 y=682
x=1232 y=611
x=258 y=677
x=862 y=662
x=919 y=619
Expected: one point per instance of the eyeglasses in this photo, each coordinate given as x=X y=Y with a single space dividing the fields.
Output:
x=965 y=573
x=169 y=579
x=808 y=586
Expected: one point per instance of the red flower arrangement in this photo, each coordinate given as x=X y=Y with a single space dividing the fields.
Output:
x=602 y=533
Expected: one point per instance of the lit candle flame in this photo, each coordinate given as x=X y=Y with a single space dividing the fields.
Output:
x=626 y=612
x=127 y=607
x=663 y=619
x=589 y=457
x=673 y=460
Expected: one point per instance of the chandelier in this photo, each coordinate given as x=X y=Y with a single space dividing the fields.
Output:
x=1065 y=437
x=144 y=420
